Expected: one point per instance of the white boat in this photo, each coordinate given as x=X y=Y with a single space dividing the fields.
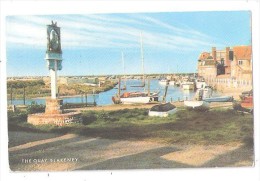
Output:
x=172 y=82
x=200 y=84
x=219 y=99
x=162 y=110
x=138 y=97
x=163 y=82
x=195 y=104
x=188 y=86
x=207 y=91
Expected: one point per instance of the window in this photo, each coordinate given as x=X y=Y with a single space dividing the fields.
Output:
x=240 y=62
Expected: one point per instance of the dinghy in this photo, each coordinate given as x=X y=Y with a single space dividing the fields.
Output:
x=162 y=110
x=196 y=104
x=219 y=99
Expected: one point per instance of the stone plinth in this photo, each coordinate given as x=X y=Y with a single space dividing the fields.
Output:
x=56 y=119
x=53 y=106
x=54 y=114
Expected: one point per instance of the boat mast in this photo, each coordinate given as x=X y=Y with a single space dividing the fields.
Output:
x=123 y=62
x=142 y=55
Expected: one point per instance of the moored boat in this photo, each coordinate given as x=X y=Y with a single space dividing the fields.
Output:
x=122 y=88
x=219 y=99
x=195 y=103
x=163 y=82
x=207 y=91
x=247 y=102
x=188 y=86
x=172 y=82
x=162 y=110
x=200 y=84
x=139 y=97
x=246 y=94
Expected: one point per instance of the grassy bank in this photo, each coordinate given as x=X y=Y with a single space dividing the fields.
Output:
x=38 y=88
x=218 y=126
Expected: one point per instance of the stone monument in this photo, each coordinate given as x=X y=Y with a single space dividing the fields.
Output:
x=54 y=113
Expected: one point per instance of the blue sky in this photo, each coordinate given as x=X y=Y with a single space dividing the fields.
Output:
x=92 y=43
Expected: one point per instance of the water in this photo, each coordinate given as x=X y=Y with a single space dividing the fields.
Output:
x=105 y=98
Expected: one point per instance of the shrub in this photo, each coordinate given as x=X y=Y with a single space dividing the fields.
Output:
x=17 y=116
x=35 y=108
x=88 y=118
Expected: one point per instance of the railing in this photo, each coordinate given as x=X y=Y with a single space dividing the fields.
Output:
x=228 y=82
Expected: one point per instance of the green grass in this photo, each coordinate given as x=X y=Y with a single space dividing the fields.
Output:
x=218 y=126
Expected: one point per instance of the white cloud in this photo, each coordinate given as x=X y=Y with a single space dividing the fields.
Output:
x=104 y=31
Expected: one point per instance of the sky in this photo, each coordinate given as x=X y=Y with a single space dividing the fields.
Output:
x=92 y=43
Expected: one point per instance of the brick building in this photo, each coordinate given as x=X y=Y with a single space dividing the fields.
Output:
x=227 y=68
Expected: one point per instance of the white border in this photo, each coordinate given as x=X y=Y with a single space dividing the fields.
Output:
x=80 y=7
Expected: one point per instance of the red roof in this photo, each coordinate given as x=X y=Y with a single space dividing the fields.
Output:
x=204 y=55
x=242 y=52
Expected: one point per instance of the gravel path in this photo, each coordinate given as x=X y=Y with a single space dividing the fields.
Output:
x=73 y=152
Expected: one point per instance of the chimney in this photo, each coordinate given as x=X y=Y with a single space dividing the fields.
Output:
x=214 y=54
x=227 y=60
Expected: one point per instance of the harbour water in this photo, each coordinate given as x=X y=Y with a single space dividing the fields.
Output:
x=105 y=98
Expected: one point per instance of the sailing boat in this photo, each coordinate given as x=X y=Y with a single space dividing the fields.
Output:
x=123 y=62
x=137 y=96
x=142 y=60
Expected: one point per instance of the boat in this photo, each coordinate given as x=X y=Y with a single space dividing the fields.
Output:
x=207 y=91
x=178 y=83
x=188 y=86
x=196 y=103
x=207 y=96
x=163 y=82
x=138 y=97
x=247 y=102
x=172 y=82
x=200 y=84
x=142 y=60
x=141 y=85
x=246 y=94
x=162 y=110
x=122 y=88
x=219 y=99
x=245 y=105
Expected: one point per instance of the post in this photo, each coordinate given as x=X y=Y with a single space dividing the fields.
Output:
x=149 y=86
x=119 y=86
x=165 y=93
x=23 y=95
x=53 y=74
x=86 y=98
x=11 y=94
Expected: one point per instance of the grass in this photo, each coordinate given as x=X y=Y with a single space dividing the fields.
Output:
x=210 y=127
x=37 y=88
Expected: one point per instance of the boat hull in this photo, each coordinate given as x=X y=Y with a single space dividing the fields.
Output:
x=195 y=104
x=172 y=83
x=136 y=100
x=219 y=99
x=188 y=86
x=200 y=85
x=162 y=114
x=163 y=82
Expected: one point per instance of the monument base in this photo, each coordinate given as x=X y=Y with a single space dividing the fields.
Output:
x=54 y=114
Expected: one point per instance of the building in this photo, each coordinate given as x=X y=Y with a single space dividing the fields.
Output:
x=228 y=68
x=218 y=62
x=242 y=63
